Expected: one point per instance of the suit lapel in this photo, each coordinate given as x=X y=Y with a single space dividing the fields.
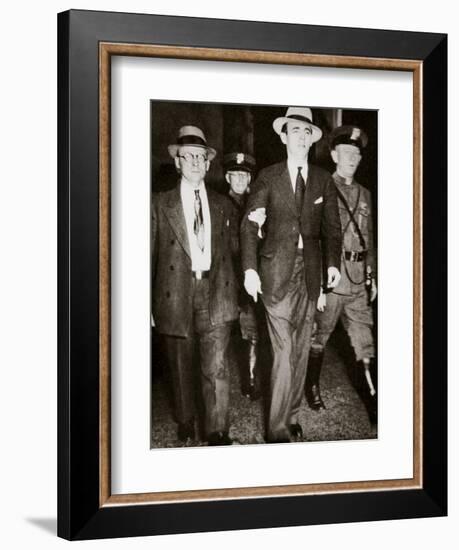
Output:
x=174 y=212
x=310 y=191
x=216 y=219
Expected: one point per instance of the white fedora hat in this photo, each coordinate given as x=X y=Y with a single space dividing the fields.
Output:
x=304 y=114
x=191 y=135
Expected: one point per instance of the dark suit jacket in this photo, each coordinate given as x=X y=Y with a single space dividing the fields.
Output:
x=171 y=264
x=318 y=222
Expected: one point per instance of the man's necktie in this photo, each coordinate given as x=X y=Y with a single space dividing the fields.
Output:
x=198 y=226
x=299 y=190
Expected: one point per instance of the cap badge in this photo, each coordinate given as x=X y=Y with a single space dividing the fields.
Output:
x=240 y=158
x=355 y=134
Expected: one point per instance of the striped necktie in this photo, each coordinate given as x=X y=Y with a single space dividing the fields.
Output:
x=198 y=226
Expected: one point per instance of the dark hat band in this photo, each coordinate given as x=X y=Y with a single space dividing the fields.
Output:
x=191 y=140
x=346 y=140
x=299 y=117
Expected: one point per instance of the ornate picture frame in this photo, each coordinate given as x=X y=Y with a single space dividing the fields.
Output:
x=87 y=43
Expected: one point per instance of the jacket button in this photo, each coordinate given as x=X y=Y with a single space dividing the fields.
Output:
x=226 y=283
x=172 y=242
x=168 y=294
x=171 y=267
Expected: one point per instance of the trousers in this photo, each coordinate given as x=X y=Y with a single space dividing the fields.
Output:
x=289 y=322
x=357 y=318
x=212 y=342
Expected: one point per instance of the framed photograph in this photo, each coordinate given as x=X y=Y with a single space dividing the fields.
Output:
x=247 y=127
x=252 y=320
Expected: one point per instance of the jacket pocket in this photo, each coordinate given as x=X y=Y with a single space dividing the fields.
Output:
x=267 y=253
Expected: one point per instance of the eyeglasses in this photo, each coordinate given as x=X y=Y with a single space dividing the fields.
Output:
x=200 y=158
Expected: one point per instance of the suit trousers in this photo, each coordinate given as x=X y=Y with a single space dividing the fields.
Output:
x=290 y=322
x=213 y=342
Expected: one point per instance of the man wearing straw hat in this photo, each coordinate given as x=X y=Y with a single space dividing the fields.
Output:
x=194 y=287
x=301 y=247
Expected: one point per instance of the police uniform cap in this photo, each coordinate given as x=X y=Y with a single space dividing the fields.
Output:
x=349 y=135
x=237 y=162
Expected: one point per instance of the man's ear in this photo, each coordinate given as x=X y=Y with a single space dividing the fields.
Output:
x=283 y=137
x=207 y=165
x=227 y=178
x=334 y=156
x=249 y=179
x=177 y=164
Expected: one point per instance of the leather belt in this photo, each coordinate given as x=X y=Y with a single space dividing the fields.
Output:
x=199 y=274
x=355 y=255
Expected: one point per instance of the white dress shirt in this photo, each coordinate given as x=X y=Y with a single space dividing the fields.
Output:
x=200 y=259
x=293 y=172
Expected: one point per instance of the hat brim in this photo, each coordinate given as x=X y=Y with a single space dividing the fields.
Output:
x=238 y=168
x=280 y=121
x=173 y=150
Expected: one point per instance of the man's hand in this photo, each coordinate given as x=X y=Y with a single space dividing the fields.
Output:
x=334 y=277
x=374 y=290
x=252 y=283
x=258 y=216
x=321 y=301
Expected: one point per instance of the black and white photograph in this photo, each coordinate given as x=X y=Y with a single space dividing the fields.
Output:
x=264 y=277
x=229 y=226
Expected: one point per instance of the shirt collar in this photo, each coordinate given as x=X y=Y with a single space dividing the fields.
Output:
x=339 y=179
x=190 y=188
x=240 y=199
x=293 y=165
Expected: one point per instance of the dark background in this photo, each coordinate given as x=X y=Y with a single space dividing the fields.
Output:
x=248 y=128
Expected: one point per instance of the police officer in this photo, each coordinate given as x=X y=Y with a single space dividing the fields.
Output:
x=239 y=168
x=351 y=300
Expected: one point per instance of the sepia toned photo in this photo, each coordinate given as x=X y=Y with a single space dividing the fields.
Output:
x=263 y=274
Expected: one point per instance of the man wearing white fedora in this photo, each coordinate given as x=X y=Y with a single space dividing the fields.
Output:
x=300 y=250
x=194 y=286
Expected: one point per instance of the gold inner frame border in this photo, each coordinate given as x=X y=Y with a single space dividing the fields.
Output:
x=106 y=51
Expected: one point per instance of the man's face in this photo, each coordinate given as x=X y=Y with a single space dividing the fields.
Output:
x=347 y=159
x=239 y=181
x=192 y=163
x=298 y=140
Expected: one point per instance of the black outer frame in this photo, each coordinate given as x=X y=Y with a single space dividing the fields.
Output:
x=79 y=514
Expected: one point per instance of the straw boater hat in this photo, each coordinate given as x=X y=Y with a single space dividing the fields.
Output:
x=238 y=162
x=298 y=113
x=191 y=135
x=349 y=135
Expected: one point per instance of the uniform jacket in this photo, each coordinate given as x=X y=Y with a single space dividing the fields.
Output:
x=171 y=264
x=318 y=222
x=238 y=206
x=359 y=200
